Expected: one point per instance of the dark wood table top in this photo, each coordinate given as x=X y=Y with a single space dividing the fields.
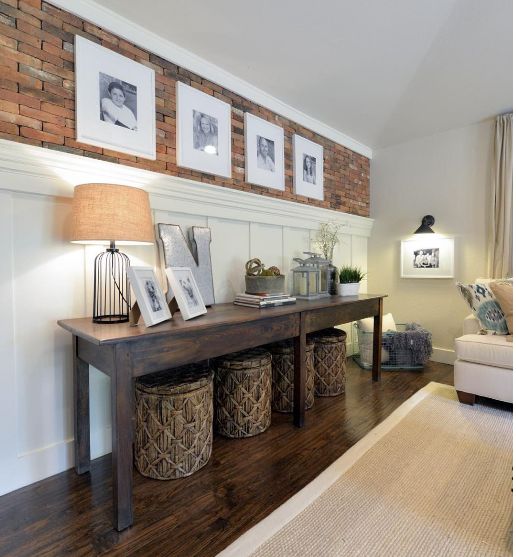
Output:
x=218 y=314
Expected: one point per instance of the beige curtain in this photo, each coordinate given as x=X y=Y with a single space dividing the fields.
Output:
x=500 y=210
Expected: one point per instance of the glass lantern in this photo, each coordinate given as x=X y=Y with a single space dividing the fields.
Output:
x=324 y=267
x=307 y=280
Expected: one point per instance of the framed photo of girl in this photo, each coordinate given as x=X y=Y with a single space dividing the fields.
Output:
x=186 y=292
x=264 y=153
x=115 y=101
x=150 y=297
x=203 y=132
x=308 y=168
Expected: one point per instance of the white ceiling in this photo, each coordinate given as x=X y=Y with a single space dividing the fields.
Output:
x=380 y=71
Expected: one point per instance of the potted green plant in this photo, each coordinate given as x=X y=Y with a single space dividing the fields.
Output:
x=349 y=280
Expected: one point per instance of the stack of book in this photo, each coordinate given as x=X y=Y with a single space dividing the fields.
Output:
x=263 y=300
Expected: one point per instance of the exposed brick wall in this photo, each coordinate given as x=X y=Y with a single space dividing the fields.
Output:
x=37 y=106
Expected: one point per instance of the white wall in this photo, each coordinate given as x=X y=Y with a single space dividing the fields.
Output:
x=44 y=278
x=445 y=175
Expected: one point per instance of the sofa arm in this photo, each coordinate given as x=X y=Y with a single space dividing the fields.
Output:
x=471 y=326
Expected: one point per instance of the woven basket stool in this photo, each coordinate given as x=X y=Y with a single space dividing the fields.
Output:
x=174 y=422
x=283 y=375
x=243 y=385
x=329 y=361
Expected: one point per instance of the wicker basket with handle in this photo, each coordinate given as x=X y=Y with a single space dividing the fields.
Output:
x=174 y=422
x=243 y=385
x=330 y=361
x=283 y=375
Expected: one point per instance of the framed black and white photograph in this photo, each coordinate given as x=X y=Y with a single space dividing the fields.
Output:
x=150 y=297
x=115 y=101
x=430 y=257
x=186 y=292
x=203 y=128
x=264 y=153
x=308 y=168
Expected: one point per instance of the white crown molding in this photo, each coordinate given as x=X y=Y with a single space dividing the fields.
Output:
x=41 y=171
x=136 y=34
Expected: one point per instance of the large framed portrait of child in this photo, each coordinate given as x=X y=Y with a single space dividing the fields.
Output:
x=264 y=153
x=308 y=168
x=203 y=129
x=115 y=101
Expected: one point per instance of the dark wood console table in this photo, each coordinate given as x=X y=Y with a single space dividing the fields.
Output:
x=125 y=352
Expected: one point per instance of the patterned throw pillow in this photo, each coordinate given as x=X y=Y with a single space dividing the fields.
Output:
x=487 y=310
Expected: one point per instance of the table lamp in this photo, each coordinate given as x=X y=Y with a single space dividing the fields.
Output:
x=105 y=214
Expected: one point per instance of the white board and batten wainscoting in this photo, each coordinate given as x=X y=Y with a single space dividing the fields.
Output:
x=43 y=278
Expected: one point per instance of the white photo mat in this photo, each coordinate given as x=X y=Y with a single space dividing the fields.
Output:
x=185 y=291
x=206 y=150
x=151 y=299
x=427 y=257
x=264 y=153
x=96 y=68
x=308 y=168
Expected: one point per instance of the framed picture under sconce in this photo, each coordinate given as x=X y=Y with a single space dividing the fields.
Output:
x=185 y=291
x=203 y=128
x=308 y=168
x=150 y=297
x=264 y=153
x=427 y=257
x=115 y=101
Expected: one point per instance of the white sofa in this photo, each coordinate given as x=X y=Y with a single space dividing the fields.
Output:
x=483 y=366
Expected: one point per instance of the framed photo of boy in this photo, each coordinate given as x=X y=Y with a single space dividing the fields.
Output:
x=308 y=168
x=427 y=257
x=264 y=153
x=186 y=292
x=203 y=128
x=115 y=101
x=149 y=295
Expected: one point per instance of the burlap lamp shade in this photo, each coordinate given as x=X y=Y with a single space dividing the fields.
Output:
x=109 y=213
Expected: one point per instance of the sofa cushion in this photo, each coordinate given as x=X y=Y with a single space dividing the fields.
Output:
x=482 y=301
x=493 y=350
x=503 y=294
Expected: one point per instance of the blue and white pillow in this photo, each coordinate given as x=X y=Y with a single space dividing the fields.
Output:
x=487 y=310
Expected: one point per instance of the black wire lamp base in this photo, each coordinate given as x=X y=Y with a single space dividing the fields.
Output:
x=111 y=291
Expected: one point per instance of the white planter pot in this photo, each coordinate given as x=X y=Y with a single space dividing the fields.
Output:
x=348 y=289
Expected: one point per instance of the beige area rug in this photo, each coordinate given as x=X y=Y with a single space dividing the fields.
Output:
x=434 y=479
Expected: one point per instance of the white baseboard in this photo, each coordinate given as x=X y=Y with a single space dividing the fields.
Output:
x=443 y=356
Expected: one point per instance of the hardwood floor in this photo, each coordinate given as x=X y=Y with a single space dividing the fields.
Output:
x=244 y=481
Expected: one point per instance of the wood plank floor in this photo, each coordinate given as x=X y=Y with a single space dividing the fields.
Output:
x=198 y=516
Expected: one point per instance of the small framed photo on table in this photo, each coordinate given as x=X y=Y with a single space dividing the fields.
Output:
x=185 y=291
x=264 y=153
x=308 y=168
x=203 y=132
x=115 y=101
x=149 y=295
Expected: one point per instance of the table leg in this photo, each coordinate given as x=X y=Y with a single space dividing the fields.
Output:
x=377 y=343
x=122 y=396
x=300 y=373
x=81 y=406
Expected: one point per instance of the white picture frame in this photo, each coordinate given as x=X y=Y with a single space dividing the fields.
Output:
x=428 y=257
x=186 y=292
x=308 y=168
x=151 y=299
x=264 y=153
x=115 y=101
x=203 y=132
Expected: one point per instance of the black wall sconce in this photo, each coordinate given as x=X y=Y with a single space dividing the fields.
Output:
x=426 y=222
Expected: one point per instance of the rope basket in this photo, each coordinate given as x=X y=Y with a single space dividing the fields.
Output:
x=283 y=375
x=243 y=386
x=174 y=422
x=329 y=361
